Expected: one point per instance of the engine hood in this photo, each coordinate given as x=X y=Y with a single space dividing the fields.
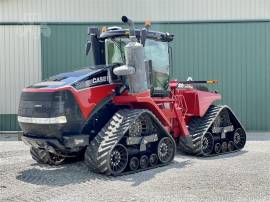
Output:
x=69 y=78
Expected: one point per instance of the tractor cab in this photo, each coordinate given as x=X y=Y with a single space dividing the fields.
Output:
x=109 y=48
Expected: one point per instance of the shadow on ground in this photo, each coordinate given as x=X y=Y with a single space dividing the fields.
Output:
x=77 y=173
x=221 y=156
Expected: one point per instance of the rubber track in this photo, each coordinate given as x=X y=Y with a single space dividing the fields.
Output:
x=43 y=157
x=198 y=127
x=39 y=155
x=97 y=153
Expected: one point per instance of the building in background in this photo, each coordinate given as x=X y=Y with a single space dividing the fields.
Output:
x=228 y=40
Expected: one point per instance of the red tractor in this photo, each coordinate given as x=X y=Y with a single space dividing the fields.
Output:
x=123 y=115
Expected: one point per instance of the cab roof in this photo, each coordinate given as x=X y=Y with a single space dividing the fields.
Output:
x=155 y=35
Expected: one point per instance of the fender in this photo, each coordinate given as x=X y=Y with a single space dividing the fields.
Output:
x=99 y=116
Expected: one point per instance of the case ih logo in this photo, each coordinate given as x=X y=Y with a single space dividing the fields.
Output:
x=95 y=81
x=100 y=79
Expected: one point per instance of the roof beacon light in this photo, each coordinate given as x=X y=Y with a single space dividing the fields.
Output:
x=147 y=24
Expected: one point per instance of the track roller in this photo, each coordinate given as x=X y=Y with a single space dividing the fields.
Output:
x=134 y=163
x=153 y=160
x=224 y=147
x=217 y=148
x=144 y=161
x=230 y=146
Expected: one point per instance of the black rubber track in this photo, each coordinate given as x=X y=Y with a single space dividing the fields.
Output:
x=43 y=157
x=97 y=154
x=199 y=126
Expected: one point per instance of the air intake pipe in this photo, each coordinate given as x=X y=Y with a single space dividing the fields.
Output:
x=135 y=66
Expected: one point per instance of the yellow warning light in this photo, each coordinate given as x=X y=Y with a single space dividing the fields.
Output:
x=104 y=29
x=147 y=23
x=212 y=81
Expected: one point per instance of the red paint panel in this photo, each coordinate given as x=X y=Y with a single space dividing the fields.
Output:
x=86 y=98
x=90 y=97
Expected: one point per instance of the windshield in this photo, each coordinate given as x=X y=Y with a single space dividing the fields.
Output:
x=156 y=51
x=115 y=50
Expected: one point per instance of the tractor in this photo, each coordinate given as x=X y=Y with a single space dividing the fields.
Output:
x=123 y=115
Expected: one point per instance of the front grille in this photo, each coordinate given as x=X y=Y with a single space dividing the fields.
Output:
x=37 y=96
x=33 y=108
x=47 y=105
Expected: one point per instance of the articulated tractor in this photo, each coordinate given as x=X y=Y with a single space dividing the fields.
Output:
x=123 y=114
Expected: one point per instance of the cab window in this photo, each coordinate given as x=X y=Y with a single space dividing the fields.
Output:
x=158 y=52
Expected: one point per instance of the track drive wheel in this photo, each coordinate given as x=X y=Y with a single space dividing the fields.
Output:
x=118 y=159
x=44 y=157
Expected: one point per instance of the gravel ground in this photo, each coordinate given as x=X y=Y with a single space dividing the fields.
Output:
x=242 y=176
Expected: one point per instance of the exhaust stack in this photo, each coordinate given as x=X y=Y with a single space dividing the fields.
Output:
x=130 y=23
x=135 y=66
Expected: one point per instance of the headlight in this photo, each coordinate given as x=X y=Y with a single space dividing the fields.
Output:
x=53 y=120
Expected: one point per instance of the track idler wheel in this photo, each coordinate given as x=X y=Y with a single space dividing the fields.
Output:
x=166 y=150
x=207 y=143
x=153 y=160
x=144 y=161
x=239 y=138
x=118 y=159
x=134 y=163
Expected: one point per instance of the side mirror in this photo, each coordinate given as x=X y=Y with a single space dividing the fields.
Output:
x=124 y=70
x=87 y=47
